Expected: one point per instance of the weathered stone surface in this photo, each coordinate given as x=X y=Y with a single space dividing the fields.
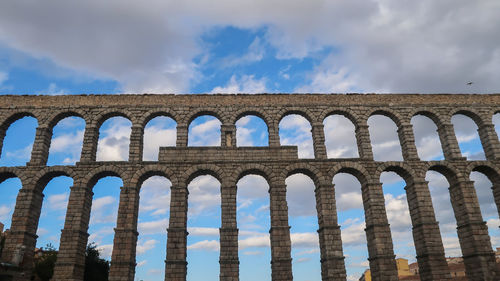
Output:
x=229 y=163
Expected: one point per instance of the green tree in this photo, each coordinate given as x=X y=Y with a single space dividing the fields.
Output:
x=96 y=268
x=44 y=266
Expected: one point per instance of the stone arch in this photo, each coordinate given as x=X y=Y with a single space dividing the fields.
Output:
x=54 y=121
x=435 y=117
x=250 y=169
x=105 y=115
x=400 y=168
x=401 y=142
x=211 y=113
x=101 y=119
x=488 y=170
x=347 y=113
x=486 y=198
x=303 y=205
x=304 y=140
x=104 y=171
x=203 y=169
x=490 y=115
x=393 y=115
x=149 y=171
x=48 y=173
x=304 y=112
x=253 y=111
x=306 y=169
x=471 y=113
x=329 y=137
x=354 y=169
x=202 y=112
x=150 y=115
x=13 y=117
x=258 y=114
x=55 y=118
x=8 y=173
x=422 y=115
x=451 y=174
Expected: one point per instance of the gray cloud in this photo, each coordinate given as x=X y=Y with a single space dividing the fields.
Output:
x=426 y=138
x=384 y=139
x=340 y=138
x=382 y=45
x=300 y=196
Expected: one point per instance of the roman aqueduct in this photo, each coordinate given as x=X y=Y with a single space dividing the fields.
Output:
x=228 y=163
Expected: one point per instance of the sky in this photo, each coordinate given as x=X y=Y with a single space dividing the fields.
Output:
x=112 y=47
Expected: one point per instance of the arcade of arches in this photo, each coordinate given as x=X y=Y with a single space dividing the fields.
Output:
x=228 y=163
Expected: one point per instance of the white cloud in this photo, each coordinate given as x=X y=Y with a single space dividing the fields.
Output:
x=244 y=136
x=258 y=241
x=300 y=196
x=245 y=84
x=105 y=250
x=496 y=122
x=383 y=45
x=203 y=231
x=141 y=263
x=104 y=210
x=340 y=137
x=307 y=252
x=155 y=197
x=391 y=178
x=114 y=141
x=70 y=143
x=204 y=196
x=5 y=212
x=397 y=212
x=99 y=235
x=153 y=227
x=207 y=126
x=42 y=231
x=330 y=80
x=154 y=138
x=301 y=260
x=429 y=148
x=102 y=202
x=53 y=90
x=206 y=133
x=23 y=153
x=296 y=130
x=353 y=232
x=252 y=187
x=205 y=245
x=451 y=246
x=247 y=219
x=426 y=138
x=253 y=253
x=58 y=201
x=466 y=132
x=384 y=139
x=144 y=246
x=349 y=201
x=305 y=240
x=115 y=53
x=347 y=192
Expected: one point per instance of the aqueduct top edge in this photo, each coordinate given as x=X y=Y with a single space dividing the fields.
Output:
x=7 y=101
